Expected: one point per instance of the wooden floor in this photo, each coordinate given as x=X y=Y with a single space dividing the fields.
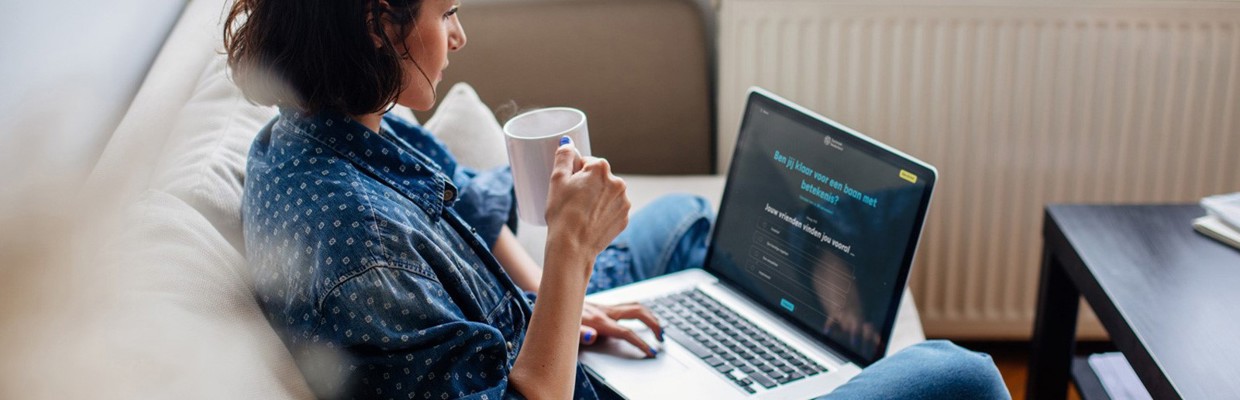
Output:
x=1012 y=358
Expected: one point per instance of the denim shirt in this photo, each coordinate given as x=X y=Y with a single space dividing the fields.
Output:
x=371 y=259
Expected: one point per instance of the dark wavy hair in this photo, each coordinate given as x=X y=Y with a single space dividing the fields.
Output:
x=319 y=55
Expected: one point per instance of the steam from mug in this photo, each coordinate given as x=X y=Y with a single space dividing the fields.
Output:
x=532 y=139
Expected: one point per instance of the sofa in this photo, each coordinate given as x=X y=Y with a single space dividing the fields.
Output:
x=173 y=313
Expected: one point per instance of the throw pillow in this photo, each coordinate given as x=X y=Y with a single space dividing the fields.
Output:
x=468 y=128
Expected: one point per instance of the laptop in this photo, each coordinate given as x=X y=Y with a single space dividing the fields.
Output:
x=807 y=262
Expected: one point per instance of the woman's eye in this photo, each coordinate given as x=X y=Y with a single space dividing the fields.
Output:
x=452 y=12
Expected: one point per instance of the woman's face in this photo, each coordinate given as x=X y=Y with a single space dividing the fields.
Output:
x=436 y=32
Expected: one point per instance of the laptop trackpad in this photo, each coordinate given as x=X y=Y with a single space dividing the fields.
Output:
x=620 y=355
x=626 y=369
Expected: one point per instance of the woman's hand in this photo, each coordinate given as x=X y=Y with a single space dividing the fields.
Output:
x=586 y=209
x=600 y=320
x=587 y=206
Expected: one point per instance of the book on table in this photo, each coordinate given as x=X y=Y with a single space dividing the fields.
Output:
x=1222 y=219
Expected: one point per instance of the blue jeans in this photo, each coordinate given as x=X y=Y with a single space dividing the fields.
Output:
x=936 y=369
x=671 y=234
x=666 y=236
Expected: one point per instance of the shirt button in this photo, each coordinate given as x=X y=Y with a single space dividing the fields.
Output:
x=509 y=346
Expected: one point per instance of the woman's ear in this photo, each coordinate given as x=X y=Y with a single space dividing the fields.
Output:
x=377 y=19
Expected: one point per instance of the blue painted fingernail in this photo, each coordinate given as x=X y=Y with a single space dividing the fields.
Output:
x=589 y=336
x=565 y=140
x=653 y=352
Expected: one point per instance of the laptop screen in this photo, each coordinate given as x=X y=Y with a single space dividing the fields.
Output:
x=820 y=225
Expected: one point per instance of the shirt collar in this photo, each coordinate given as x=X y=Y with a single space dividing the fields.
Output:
x=382 y=155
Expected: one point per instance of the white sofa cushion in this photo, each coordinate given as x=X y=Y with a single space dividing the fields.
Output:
x=204 y=161
x=185 y=323
x=468 y=129
x=189 y=323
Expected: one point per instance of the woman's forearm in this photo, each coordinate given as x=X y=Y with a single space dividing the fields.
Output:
x=524 y=271
x=546 y=366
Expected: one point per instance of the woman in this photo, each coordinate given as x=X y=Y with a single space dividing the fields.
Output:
x=366 y=238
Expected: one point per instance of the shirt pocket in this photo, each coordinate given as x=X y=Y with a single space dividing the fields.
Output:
x=483 y=287
x=510 y=319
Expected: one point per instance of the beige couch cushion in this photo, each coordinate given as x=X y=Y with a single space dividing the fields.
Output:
x=641 y=69
x=469 y=129
x=189 y=320
x=185 y=323
x=185 y=320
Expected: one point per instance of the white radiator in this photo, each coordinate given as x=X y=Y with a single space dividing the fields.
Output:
x=1018 y=105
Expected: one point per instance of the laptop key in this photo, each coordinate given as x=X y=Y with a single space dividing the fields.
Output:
x=688 y=343
x=763 y=380
x=706 y=328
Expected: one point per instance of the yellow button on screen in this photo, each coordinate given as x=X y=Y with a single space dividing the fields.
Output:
x=908 y=176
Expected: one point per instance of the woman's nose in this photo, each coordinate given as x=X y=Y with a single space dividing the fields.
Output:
x=457 y=37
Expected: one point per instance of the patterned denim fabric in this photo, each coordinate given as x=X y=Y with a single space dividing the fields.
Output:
x=375 y=245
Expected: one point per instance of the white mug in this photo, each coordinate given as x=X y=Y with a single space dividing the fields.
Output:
x=532 y=139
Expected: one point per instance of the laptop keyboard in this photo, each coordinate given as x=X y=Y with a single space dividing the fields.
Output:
x=744 y=353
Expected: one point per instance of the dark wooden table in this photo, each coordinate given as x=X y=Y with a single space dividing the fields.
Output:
x=1168 y=296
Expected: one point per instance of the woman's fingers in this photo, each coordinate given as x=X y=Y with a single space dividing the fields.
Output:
x=632 y=337
x=597 y=164
x=567 y=161
x=602 y=321
x=588 y=335
x=638 y=312
x=585 y=200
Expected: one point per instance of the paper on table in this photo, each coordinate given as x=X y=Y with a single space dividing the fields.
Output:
x=1225 y=207
x=1117 y=377
x=1214 y=228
